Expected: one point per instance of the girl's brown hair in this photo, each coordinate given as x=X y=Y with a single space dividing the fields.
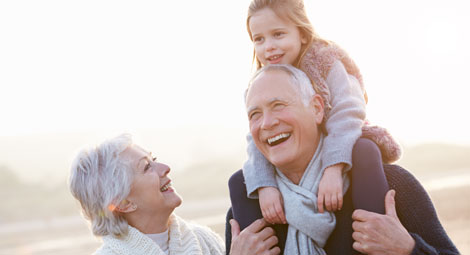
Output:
x=292 y=10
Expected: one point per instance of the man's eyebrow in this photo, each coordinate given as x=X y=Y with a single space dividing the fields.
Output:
x=251 y=108
x=274 y=99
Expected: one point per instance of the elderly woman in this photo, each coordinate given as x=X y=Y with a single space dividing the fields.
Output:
x=128 y=198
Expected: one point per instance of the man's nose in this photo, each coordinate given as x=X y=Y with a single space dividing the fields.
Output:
x=269 y=120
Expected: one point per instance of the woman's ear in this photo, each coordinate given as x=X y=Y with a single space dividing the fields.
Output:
x=126 y=207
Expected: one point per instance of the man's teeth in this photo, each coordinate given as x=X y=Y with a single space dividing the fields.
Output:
x=277 y=138
x=165 y=188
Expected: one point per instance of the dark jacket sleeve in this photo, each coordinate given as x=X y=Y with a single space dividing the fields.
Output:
x=228 y=231
x=417 y=213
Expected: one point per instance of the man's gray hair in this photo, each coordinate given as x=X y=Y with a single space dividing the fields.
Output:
x=100 y=179
x=299 y=80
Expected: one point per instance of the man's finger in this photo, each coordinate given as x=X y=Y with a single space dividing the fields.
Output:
x=235 y=229
x=362 y=215
x=256 y=226
x=390 y=204
x=358 y=247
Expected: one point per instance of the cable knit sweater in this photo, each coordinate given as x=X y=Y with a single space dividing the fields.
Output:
x=185 y=238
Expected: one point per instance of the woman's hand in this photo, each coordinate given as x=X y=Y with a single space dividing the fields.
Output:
x=330 y=190
x=271 y=204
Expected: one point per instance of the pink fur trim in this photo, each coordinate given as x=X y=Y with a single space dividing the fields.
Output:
x=317 y=62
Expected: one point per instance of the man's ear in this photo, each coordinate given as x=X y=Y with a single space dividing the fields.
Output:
x=126 y=207
x=318 y=108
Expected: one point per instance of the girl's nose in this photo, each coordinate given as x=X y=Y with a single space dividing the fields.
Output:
x=270 y=45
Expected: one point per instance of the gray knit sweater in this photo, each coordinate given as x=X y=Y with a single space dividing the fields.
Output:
x=343 y=125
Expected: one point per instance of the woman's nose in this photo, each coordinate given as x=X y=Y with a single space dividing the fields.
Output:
x=163 y=170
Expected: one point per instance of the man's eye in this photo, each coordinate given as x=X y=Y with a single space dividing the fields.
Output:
x=254 y=115
x=278 y=106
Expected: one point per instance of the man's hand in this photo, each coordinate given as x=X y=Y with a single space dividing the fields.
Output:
x=381 y=234
x=330 y=190
x=254 y=239
x=271 y=204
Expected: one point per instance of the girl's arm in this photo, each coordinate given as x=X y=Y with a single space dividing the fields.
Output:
x=345 y=119
x=257 y=170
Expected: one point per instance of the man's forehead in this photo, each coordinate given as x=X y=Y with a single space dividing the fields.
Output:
x=271 y=86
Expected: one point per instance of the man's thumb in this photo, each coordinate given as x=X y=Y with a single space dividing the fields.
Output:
x=390 y=204
x=235 y=228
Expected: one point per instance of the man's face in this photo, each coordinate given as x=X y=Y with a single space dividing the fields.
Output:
x=283 y=128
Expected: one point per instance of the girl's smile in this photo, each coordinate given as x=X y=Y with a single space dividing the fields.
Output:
x=276 y=40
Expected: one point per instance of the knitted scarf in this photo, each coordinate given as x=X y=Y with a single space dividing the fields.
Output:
x=185 y=238
x=308 y=229
x=316 y=63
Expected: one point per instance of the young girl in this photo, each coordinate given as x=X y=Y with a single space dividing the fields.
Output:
x=282 y=34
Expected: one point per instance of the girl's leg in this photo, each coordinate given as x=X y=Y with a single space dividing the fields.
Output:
x=245 y=211
x=368 y=181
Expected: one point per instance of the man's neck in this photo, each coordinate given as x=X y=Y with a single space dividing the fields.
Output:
x=295 y=172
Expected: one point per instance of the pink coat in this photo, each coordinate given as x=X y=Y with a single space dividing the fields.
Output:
x=321 y=57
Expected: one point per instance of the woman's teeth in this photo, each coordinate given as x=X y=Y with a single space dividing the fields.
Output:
x=166 y=187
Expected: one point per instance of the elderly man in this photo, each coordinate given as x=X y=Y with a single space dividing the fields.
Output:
x=281 y=101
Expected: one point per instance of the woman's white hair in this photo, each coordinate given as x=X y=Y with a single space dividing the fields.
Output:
x=100 y=179
x=299 y=79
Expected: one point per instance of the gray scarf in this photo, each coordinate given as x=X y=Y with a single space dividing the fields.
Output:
x=308 y=229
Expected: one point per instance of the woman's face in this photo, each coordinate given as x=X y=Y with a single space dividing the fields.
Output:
x=276 y=40
x=151 y=189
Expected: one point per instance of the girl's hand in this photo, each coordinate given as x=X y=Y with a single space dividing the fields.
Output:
x=330 y=191
x=271 y=203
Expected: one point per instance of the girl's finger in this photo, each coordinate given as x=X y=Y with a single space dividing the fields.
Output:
x=320 y=202
x=334 y=202
x=340 y=201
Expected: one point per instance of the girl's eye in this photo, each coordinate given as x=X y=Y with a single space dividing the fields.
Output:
x=278 y=34
x=258 y=39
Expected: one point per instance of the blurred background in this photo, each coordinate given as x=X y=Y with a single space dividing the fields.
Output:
x=173 y=74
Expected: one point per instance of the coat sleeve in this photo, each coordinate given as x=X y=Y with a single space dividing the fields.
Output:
x=346 y=117
x=417 y=213
x=257 y=170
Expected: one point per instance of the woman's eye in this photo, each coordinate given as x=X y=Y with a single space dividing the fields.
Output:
x=147 y=166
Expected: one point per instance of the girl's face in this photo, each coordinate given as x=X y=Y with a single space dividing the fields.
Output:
x=276 y=40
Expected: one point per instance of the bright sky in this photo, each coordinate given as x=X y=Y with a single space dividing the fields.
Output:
x=70 y=66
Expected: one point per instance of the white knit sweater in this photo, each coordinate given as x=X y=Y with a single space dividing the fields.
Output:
x=185 y=238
